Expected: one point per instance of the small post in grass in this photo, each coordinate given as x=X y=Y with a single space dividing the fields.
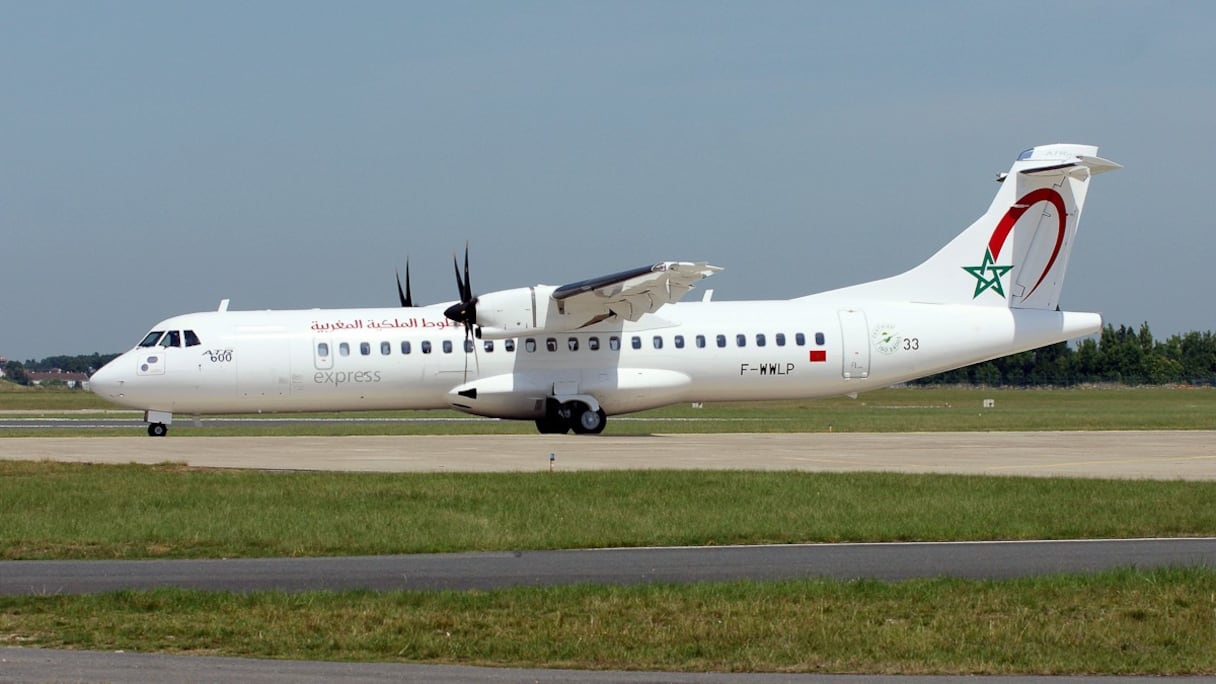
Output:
x=552 y=461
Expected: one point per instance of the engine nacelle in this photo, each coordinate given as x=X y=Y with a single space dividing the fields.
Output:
x=502 y=396
x=521 y=311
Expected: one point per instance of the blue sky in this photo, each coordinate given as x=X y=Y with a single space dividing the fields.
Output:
x=157 y=157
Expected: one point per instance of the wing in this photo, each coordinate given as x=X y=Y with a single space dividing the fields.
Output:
x=629 y=294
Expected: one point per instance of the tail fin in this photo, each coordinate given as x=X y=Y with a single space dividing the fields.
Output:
x=1015 y=255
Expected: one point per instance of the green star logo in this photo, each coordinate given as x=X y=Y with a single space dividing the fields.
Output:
x=988 y=275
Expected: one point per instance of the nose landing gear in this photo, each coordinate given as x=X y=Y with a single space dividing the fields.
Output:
x=158 y=422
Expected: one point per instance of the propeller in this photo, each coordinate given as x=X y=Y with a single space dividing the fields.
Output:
x=407 y=299
x=465 y=311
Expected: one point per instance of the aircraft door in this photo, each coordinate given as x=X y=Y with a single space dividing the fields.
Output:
x=855 y=342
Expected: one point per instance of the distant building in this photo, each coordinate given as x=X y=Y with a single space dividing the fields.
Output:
x=74 y=380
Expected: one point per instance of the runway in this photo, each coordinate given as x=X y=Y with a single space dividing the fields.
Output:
x=1189 y=455
x=45 y=665
x=485 y=571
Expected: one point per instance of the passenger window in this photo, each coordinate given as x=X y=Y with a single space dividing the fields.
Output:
x=635 y=342
x=614 y=343
x=447 y=346
x=740 y=340
x=721 y=340
x=489 y=345
x=551 y=344
x=386 y=348
x=426 y=346
x=322 y=349
x=509 y=345
x=593 y=343
x=173 y=338
x=365 y=348
x=344 y=349
x=468 y=346
x=530 y=345
x=819 y=338
x=780 y=338
x=700 y=341
x=152 y=338
x=679 y=340
x=658 y=342
x=405 y=346
x=572 y=343
x=799 y=339
x=760 y=341
x=191 y=339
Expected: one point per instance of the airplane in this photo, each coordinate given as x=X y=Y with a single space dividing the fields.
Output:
x=570 y=356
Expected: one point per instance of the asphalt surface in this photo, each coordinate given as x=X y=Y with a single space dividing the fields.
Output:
x=1189 y=455
x=41 y=665
x=463 y=571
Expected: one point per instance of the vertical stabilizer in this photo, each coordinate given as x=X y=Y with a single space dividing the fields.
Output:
x=1016 y=254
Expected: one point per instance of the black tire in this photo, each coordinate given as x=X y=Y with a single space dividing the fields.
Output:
x=552 y=425
x=157 y=429
x=588 y=422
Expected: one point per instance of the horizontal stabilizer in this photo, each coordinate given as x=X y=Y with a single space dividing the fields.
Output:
x=1094 y=165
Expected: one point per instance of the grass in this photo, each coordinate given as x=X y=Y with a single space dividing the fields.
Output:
x=888 y=410
x=59 y=510
x=1123 y=622
x=1120 y=622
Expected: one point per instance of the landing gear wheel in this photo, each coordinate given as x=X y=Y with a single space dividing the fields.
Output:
x=552 y=425
x=157 y=429
x=588 y=422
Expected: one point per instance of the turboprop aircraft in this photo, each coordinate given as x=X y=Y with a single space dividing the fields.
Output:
x=568 y=357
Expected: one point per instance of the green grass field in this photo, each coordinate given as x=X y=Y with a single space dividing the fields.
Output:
x=1124 y=622
x=59 y=510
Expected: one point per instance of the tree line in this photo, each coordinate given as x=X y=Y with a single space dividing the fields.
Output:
x=1122 y=355
x=16 y=371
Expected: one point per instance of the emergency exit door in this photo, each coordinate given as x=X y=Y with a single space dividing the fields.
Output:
x=855 y=338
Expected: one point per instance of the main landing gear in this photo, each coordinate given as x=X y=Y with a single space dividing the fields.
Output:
x=561 y=418
x=157 y=429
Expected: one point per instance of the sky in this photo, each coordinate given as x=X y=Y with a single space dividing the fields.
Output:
x=157 y=157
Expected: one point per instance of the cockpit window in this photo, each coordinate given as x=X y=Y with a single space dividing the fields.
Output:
x=173 y=338
x=191 y=339
x=152 y=338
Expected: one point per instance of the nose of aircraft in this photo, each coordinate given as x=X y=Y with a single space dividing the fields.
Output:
x=106 y=381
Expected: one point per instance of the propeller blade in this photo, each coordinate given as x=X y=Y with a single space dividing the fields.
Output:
x=406 y=298
x=468 y=285
x=459 y=282
x=465 y=311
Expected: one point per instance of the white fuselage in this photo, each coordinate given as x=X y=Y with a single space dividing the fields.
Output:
x=413 y=358
x=569 y=356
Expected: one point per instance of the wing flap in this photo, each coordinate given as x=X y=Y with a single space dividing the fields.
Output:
x=630 y=294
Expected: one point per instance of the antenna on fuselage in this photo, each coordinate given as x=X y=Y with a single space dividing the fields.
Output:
x=223 y=305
